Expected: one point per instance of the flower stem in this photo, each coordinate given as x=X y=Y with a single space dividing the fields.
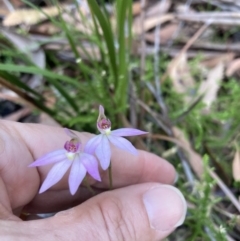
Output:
x=110 y=176
x=88 y=186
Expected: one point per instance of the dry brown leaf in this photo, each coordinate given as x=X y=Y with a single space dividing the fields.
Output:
x=151 y=22
x=158 y=8
x=136 y=8
x=181 y=77
x=194 y=158
x=46 y=28
x=213 y=61
x=75 y=20
x=236 y=166
x=3 y=9
x=165 y=34
x=211 y=85
x=233 y=67
x=29 y=16
x=217 y=17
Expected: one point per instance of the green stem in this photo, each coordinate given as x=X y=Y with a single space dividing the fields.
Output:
x=88 y=186
x=110 y=176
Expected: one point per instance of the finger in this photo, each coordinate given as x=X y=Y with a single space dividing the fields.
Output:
x=140 y=212
x=21 y=144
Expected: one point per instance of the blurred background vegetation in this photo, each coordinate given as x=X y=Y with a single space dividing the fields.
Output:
x=168 y=67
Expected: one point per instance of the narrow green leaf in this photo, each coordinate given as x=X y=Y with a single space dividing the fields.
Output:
x=52 y=77
x=15 y=81
x=108 y=36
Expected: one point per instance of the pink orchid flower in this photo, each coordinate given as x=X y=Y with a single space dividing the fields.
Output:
x=71 y=155
x=100 y=145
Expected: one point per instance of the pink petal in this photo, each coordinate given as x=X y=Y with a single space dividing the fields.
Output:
x=77 y=173
x=70 y=133
x=103 y=152
x=92 y=144
x=55 y=174
x=127 y=132
x=101 y=110
x=123 y=144
x=49 y=158
x=91 y=164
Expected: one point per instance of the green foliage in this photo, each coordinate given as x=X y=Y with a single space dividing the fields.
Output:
x=103 y=81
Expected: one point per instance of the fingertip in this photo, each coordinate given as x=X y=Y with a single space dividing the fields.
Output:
x=165 y=206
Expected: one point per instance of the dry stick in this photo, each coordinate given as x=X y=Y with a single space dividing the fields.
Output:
x=168 y=129
x=26 y=98
x=18 y=91
x=220 y=183
x=180 y=25
x=157 y=117
x=225 y=189
x=227 y=214
x=185 y=48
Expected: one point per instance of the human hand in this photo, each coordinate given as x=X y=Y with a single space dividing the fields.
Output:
x=143 y=205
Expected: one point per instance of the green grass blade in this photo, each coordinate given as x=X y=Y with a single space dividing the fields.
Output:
x=122 y=9
x=15 y=81
x=108 y=36
x=36 y=70
x=52 y=77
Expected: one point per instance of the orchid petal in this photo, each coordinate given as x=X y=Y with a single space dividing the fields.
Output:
x=70 y=133
x=77 y=173
x=101 y=110
x=123 y=144
x=127 y=132
x=103 y=152
x=49 y=158
x=55 y=174
x=91 y=164
x=92 y=144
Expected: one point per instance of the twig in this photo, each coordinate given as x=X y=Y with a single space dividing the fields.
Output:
x=225 y=189
x=190 y=108
x=227 y=214
x=159 y=120
x=168 y=130
x=158 y=94
x=217 y=18
x=180 y=26
x=185 y=48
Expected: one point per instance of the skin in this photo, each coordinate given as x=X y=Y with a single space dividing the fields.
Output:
x=106 y=216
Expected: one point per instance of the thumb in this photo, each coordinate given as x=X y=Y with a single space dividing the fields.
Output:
x=147 y=211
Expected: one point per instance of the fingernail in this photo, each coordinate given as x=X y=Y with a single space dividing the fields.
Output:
x=166 y=207
x=176 y=178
